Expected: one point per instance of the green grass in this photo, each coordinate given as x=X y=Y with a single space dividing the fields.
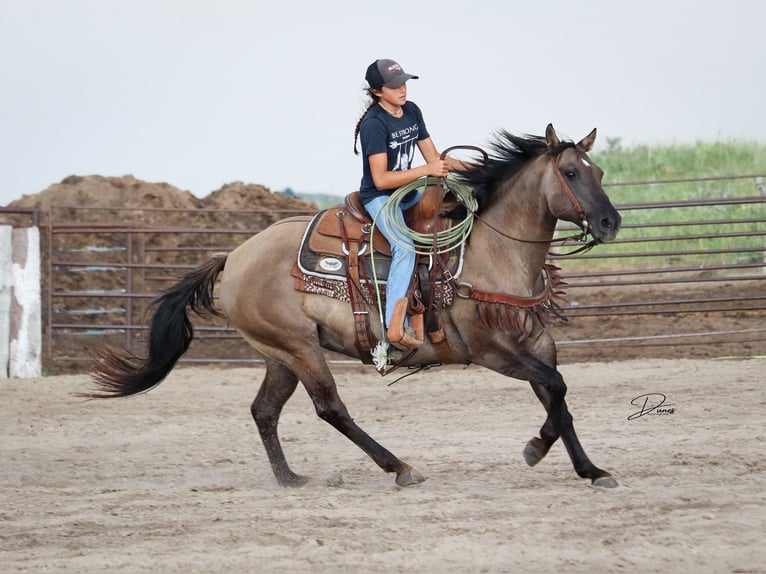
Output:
x=649 y=163
x=655 y=171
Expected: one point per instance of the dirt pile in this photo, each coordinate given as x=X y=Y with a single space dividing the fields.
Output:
x=96 y=198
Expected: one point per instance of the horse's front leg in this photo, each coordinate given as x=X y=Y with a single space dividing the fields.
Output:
x=538 y=447
x=550 y=388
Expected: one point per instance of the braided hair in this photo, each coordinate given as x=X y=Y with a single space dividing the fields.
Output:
x=375 y=99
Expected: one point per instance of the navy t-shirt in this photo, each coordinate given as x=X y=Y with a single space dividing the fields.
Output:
x=381 y=132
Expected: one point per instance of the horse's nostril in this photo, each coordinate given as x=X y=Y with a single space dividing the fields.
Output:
x=607 y=223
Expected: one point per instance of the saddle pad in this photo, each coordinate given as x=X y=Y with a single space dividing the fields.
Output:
x=322 y=255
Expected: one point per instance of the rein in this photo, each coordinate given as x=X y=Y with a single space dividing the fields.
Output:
x=577 y=237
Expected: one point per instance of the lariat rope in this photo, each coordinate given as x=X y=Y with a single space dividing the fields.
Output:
x=446 y=240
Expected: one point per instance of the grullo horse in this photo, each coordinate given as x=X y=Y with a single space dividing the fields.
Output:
x=522 y=188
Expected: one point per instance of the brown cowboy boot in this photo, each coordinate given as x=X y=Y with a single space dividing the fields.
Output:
x=402 y=337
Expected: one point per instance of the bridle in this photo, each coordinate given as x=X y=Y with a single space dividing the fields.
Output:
x=584 y=225
x=570 y=194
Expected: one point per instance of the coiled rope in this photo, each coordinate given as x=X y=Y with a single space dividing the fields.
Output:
x=446 y=240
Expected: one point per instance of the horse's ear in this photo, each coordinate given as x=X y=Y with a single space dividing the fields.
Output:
x=586 y=143
x=551 y=137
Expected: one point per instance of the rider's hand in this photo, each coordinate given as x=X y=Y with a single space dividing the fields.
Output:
x=438 y=168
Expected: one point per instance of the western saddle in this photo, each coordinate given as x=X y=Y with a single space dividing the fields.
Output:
x=345 y=233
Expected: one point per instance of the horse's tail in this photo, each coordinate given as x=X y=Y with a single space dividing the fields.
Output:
x=119 y=373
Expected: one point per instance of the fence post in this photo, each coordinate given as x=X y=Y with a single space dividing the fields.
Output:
x=6 y=256
x=25 y=325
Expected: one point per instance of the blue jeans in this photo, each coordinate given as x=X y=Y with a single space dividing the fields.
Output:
x=402 y=259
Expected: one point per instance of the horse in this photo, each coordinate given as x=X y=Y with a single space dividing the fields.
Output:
x=522 y=188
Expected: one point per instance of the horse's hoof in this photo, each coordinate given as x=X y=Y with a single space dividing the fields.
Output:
x=605 y=482
x=531 y=456
x=408 y=477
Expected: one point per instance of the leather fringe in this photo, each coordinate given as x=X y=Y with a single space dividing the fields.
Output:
x=520 y=316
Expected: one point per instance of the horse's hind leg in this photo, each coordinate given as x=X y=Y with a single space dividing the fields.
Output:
x=277 y=387
x=321 y=387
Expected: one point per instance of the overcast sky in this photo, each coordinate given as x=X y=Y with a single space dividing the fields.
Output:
x=198 y=93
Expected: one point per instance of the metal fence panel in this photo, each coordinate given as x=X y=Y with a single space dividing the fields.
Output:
x=676 y=262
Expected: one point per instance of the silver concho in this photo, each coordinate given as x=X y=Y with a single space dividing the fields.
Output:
x=330 y=264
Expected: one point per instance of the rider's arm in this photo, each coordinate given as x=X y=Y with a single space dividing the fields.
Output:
x=385 y=179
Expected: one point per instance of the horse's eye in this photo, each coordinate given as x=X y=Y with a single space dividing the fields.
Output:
x=571 y=174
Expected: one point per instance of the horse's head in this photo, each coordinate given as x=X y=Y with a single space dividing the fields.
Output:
x=576 y=193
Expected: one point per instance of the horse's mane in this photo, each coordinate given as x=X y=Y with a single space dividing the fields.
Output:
x=508 y=155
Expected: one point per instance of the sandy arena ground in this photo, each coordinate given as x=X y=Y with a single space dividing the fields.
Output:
x=176 y=481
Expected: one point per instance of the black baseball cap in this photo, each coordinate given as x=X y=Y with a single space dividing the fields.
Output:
x=386 y=73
